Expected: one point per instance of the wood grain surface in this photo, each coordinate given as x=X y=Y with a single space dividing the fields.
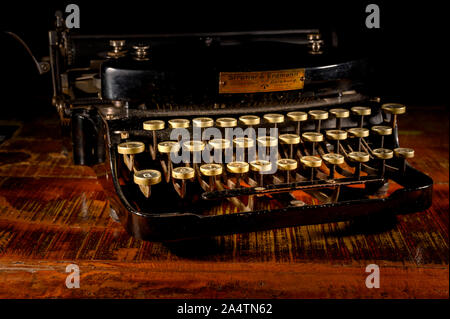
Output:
x=53 y=214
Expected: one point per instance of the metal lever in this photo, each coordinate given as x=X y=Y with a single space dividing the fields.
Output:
x=43 y=66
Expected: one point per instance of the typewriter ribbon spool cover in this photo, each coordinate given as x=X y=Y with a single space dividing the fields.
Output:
x=261 y=81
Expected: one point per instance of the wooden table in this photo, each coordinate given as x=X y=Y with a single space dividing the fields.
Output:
x=53 y=214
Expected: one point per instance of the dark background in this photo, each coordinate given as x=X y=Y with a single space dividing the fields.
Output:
x=408 y=49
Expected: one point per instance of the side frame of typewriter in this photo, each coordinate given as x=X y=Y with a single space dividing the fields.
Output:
x=416 y=195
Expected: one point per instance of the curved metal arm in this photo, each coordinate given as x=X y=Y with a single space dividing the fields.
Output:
x=43 y=67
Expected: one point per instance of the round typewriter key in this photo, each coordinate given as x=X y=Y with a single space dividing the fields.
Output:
x=194 y=146
x=154 y=125
x=250 y=120
x=291 y=140
x=359 y=157
x=237 y=167
x=244 y=142
x=382 y=131
x=361 y=111
x=167 y=147
x=336 y=135
x=130 y=148
x=183 y=173
x=297 y=117
x=340 y=114
x=312 y=137
x=333 y=159
x=179 y=123
x=220 y=143
x=402 y=152
x=261 y=167
x=267 y=141
x=360 y=133
x=394 y=109
x=383 y=154
x=211 y=169
x=311 y=162
x=318 y=116
x=203 y=122
x=145 y=178
x=287 y=165
x=274 y=118
x=226 y=122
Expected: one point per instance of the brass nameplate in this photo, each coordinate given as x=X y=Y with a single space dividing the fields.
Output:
x=261 y=81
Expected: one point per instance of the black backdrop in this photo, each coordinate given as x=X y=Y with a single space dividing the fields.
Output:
x=409 y=46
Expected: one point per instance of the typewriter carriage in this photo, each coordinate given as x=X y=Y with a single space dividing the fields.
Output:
x=108 y=95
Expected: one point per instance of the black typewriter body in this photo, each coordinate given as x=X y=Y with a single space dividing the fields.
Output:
x=118 y=96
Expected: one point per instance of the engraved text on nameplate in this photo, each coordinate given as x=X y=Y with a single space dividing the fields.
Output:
x=261 y=81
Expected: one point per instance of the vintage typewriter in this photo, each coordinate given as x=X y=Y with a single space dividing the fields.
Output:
x=198 y=135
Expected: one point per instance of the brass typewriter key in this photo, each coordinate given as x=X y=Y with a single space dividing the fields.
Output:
x=145 y=179
x=124 y=135
x=226 y=122
x=382 y=131
x=182 y=174
x=202 y=123
x=394 y=109
x=260 y=167
x=361 y=111
x=336 y=135
x=238 y=168
x=403 y=153
x=267 y=142
x=250 y=120
x=128 y=150
x=383 y=154
x=291 y=140
x=211 y=171
x=154 y=125
x=340 y=114
x=359 y=158
x=242 y=145
x=313 y=137
x=221 y=145
x=318 y=116
x=167 y=147
x=179 y=123
x=360 y=133
x=274 y=118
x=297 y=117
x=333 y=159
x=195 y=147
x=311 y=162
x=288 y=165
